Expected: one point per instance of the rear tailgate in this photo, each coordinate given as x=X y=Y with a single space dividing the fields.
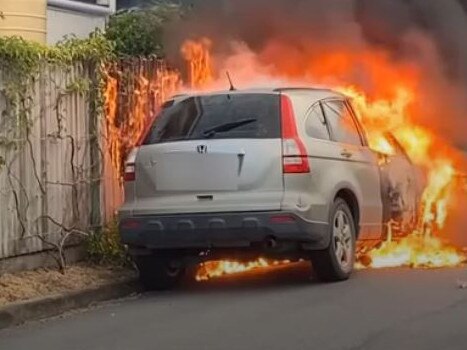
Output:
x=216 y=153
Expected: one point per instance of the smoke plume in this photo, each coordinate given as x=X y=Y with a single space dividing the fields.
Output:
x=430 y=35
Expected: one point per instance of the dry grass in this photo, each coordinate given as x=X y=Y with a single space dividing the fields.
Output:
x=44 y=282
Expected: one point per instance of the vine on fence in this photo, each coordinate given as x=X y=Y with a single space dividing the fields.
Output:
x=22 y=60
x=21 y=64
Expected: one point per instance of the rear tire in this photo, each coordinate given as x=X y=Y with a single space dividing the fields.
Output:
x=158 y=273
x=336 y=262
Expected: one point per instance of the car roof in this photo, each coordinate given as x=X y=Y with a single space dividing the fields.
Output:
x=317 y=93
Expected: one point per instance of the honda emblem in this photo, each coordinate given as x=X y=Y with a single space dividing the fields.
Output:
x=202 y=149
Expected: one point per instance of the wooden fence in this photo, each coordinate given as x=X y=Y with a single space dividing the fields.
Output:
x=61 y=174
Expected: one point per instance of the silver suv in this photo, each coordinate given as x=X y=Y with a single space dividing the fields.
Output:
x=281 y=173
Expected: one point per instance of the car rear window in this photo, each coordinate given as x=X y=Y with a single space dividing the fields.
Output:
x=223 y=116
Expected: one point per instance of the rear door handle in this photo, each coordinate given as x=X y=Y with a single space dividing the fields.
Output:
x=346 y=153
x=205 y=197
x=241 y=158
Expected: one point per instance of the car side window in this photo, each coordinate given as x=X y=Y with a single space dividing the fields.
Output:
x=315 y=124
x=342 y=124
x=357 y=119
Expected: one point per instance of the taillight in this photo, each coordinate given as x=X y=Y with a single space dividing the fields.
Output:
x=129 y=224
x=294 y=156
x=129 y=174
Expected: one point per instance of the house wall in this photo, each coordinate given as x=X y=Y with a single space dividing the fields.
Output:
x=61 y=23
x=66 y=17
x=25 y=18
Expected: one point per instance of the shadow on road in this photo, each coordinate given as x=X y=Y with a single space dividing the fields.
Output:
x=274 y=278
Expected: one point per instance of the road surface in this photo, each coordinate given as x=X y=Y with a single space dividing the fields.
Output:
x=387 y=309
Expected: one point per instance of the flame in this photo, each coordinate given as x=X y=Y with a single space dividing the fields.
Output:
x=416 y=251
x=112 y=131
x=198 y=56
x=213 y=269
x=391 y=106
x=381 y=144
x=421 y=248
x=127 y=119
x=437 y=195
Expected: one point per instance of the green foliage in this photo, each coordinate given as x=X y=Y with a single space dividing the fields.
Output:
x=24 y=58
x=104 y=246
x=139 y=32
x=22 y=61
x=79 y=86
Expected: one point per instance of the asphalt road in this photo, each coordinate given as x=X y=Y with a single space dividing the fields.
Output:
x=390 y=309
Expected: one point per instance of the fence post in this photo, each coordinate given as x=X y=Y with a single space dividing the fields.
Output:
x=43 y=84
x=95 y=154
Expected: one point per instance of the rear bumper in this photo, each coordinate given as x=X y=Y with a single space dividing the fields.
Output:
x=221 y=230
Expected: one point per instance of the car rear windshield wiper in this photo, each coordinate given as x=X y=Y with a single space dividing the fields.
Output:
x=227 y=126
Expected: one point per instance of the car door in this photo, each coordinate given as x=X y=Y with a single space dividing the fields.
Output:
x=358 y=163
x=323 y=152
x=403 y=188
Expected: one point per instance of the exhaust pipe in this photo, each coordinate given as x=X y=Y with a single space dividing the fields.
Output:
x=270 y=243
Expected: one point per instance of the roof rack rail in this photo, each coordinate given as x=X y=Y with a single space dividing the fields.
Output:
x=179 y=95
x=301 y=88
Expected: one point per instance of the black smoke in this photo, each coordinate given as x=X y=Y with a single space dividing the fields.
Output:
x=385 y=22
x=401 y=27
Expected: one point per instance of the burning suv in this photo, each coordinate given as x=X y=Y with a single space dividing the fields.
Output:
x=282 y=173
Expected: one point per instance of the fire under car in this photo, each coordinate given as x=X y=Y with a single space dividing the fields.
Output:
x=283 y=173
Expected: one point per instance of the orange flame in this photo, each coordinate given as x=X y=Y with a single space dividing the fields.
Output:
x=198 y=56
x=437 y=195
x=421 y=248
x=112 y=131
x=213 y=269
x=131 y=104
x=415 y=251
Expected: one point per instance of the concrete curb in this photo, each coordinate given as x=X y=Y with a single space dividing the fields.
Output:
x=54 y=305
